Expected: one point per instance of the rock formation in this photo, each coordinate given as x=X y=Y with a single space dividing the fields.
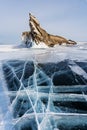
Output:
x=37 y=34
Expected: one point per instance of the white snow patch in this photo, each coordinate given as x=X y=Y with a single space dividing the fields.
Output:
x=7 y=48
x=43 y=53
x=40 y=45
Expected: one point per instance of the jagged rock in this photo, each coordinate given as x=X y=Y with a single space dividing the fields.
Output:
x=37 y=34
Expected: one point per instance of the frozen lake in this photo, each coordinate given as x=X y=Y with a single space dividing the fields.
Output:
x=43 y=88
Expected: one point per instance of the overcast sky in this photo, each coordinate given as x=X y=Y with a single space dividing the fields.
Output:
x=66 y=18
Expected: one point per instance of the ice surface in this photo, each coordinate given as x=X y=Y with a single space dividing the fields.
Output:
x=43 y=88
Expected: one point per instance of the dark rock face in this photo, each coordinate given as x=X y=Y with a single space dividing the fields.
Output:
x=36 y=89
